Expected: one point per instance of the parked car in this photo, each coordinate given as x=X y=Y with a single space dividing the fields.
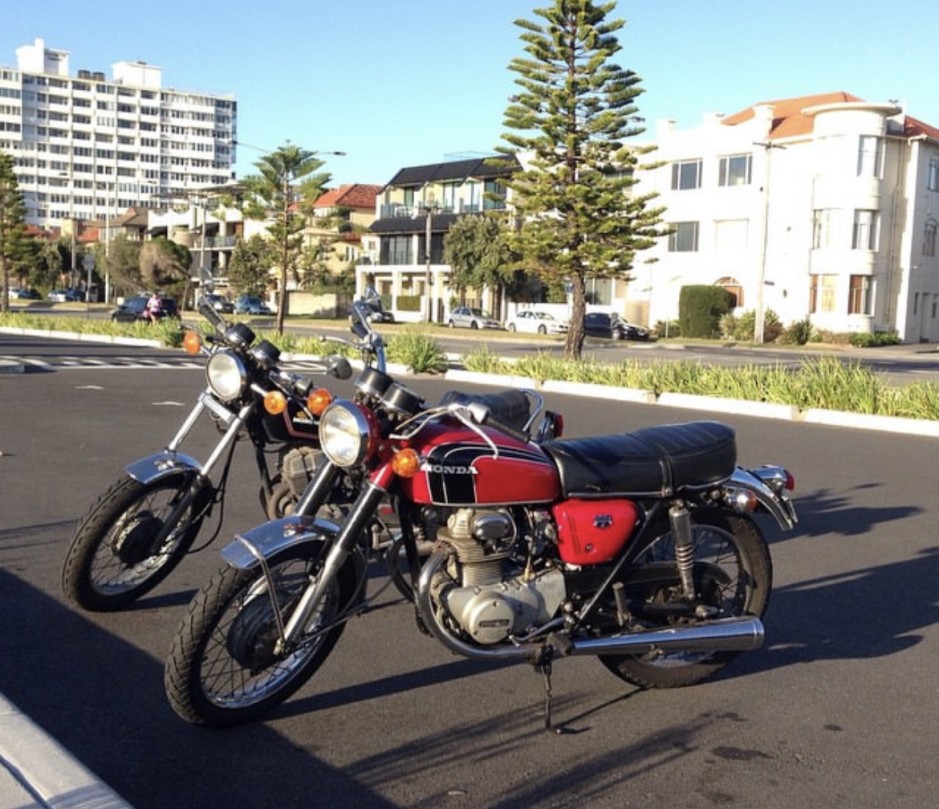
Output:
x=373 y=312
x=220 y=303
x=64 y=295
x=469 y=317
x=531 y=320
x=133 y=309
x=251 y=305
x=603 y=324
x=25 y=294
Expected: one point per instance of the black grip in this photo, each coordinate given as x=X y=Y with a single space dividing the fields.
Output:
x=502 y=427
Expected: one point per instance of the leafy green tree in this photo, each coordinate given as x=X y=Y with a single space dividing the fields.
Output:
x=164 y=264
x=286 y=187
x=250 y=264
x=572 y=114
x=12 y=227
x=121 y=261
x=479 y=253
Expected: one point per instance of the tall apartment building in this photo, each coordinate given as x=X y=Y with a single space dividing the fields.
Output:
x=87 y=147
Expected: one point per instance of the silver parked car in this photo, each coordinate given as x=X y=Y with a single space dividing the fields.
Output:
x=468 y=317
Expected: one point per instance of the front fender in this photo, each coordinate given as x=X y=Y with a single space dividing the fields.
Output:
x=262 y=542
x=160 y=465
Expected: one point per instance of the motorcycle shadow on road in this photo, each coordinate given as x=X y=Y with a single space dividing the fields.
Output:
x=102 y=698
x=850 y=611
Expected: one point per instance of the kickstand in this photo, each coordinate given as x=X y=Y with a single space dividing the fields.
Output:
x=543 y=664
x=545 y=667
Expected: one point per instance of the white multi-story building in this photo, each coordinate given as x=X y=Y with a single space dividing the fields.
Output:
x=824 y=207
x=88 y=148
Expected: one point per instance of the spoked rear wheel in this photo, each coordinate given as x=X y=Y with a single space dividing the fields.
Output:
x=116 y=555
x=732 y=575
x=226 y=666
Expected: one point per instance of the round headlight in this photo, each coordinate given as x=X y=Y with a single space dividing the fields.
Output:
x=345 y=434
x=226 y=375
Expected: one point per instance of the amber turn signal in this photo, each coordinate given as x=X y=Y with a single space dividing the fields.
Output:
x=406 y=463
x=275 y=402
x=318 y=401
x=192 y=341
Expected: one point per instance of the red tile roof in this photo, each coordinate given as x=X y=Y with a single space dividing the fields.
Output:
x=788 y=120
x=353 y=195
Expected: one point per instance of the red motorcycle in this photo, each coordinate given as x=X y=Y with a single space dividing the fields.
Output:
x=638 y=548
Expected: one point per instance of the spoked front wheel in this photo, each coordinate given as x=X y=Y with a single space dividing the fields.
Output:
x=228 y=665
x=732 y=577
x=125 y=545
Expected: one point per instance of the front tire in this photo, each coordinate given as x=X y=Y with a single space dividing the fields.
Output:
x=733 y=576
x=223 y=669
x=113 y=559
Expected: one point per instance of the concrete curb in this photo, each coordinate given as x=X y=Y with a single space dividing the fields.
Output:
x=36 y=771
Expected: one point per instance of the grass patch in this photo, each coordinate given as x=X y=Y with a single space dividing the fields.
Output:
x=823 y=382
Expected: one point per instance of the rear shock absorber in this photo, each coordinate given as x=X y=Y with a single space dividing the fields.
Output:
x=680 y=520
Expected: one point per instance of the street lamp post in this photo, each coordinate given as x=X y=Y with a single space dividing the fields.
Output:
x=429 y=210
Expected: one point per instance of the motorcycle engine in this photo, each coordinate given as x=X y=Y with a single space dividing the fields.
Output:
x=496 y=597
x=297 y=468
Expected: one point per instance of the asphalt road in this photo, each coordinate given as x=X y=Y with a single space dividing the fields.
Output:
x=839 y=708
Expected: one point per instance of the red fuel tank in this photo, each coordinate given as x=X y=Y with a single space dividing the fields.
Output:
x=459 y=468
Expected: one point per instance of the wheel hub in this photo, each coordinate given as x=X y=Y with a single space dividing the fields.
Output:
x=136 y=542
x=252 y=636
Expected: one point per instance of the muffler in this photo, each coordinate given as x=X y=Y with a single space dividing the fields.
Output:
x=741 y=634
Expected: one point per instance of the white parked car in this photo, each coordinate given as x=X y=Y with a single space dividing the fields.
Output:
x=531 y=320
x=468 y=317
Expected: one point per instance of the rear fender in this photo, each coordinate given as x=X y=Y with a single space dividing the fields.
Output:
x=775 y=503
x=161 y=465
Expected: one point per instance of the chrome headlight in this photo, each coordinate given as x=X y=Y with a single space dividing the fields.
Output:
x=346 y=434
x=226 y=375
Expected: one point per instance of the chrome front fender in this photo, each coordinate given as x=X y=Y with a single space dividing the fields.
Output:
x=160 y=465
x=248 y=549
x=776 y=503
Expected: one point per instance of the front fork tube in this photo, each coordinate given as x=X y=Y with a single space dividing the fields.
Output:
x=363 y=509
x=679 y=519
x=202 y=473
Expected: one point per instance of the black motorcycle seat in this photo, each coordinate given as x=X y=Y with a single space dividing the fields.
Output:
x=511 y=407
x=655 y=461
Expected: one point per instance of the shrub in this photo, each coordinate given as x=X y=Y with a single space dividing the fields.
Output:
x=798 y=333
x=877 y=338
x=700 y=309
x=419 y=352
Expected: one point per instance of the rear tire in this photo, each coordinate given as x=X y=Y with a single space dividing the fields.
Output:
x=222 y=669
x=733 y=576
x=111 y=561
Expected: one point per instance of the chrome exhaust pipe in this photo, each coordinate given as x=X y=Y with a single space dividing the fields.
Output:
x=741 y=634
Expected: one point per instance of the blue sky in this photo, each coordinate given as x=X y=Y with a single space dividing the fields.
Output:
x=405 y=82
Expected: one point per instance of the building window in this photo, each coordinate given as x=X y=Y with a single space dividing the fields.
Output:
x=396 y=250
x=929 y=237
x=870 y=156
x=932 y=175
x=735 y=169
x=686 y=174
x=683 y=237
x=822 y=293
x=866 y=227
x=822 y=221
x=859 y=295
x=599 y=290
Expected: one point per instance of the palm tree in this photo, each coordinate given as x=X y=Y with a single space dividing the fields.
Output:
x=286 y=188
